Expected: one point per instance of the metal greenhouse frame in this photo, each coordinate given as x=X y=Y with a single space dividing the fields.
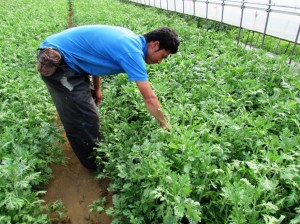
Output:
x=275 y=18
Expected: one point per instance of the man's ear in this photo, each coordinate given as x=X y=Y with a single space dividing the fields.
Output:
x=153 y=45
x=156 y=44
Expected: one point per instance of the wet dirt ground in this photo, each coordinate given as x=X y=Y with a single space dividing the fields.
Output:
x=77 y=188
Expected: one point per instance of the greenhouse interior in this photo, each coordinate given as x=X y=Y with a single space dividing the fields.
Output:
x=199 y=127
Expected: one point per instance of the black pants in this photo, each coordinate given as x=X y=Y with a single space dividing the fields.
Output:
x=77 y=110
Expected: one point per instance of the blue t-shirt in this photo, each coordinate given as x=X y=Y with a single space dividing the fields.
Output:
x=102 y=50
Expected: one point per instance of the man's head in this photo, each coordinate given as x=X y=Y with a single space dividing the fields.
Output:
x=160 y=43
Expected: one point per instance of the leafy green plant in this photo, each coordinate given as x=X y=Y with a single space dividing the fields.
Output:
x=235 y=133
x=29 y=137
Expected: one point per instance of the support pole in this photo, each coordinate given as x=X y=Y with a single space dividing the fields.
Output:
x=287 y=47
x=247 y=39
x=222 y=16
x=295 y=44
x=277 y=45
x=253 y=33
x=175 y=5
x=241 y=22
x=266 y=25
x=206 y=15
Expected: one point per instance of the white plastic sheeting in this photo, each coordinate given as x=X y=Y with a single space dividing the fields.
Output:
x=278 y=18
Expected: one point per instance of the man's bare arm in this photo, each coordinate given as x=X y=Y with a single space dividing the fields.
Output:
x=98 y=93
x=152 y=102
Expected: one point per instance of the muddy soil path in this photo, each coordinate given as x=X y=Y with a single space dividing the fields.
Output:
x=77 y=188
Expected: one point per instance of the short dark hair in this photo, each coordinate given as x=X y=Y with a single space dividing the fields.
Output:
x=167 y=38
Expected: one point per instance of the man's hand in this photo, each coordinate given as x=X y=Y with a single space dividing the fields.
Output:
x=166 y=126
x=98 y=97
x=98 y=93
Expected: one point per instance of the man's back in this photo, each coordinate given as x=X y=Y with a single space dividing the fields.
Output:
x=101 y=50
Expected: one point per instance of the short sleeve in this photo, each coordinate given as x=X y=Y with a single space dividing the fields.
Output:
x=134 y=65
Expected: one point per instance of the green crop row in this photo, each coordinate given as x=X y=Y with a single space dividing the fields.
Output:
x=29 y=137
x=232 y=155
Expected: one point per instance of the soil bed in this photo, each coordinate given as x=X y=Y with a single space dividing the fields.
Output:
x=77 y=188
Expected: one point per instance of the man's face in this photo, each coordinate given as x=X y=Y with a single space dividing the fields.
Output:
x=155 y=56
